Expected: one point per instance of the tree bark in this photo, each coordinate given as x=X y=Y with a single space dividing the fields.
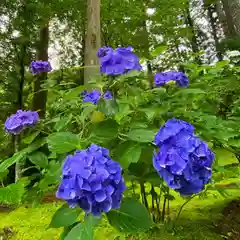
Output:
x=93 y=40
x=194 y=43
x=231 y=9
x=213 y=21
x=40 y=95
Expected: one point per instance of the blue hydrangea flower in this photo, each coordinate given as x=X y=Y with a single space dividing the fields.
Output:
x=163 y=78
x=83 y=93
x=118 y=61
x=92 y=181
x=38 y=67
x=107 y=95
x=17 y=122
x=184 y=161
x=93 y=96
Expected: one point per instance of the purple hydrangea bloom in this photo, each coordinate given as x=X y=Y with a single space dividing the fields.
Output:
x=180 y=78
x=184 y=161
x=107 y=95
x=92 y=181
x=17 y=122
x=93 y=96
x=118 y=61
x=38 y=67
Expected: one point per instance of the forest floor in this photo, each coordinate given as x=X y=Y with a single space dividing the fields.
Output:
x=210 y=218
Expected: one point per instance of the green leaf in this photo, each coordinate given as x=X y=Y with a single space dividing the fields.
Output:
x=63 y=142
x=141 y=135
x=189 y=91
x=30 y=138
x=128 y=152
x=159 y=50
x=73 y=93
x=63 y=122
x=21 y=154
x=13 y=193
x=83 y=231
x=132 y=217
x=3 y=175
x=64 y=217
x=106 y=130
x=39 y=159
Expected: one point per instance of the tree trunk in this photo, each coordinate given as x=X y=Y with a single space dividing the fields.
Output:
x=93 y=40
x=40 y=95
x=231 y=9
x=213 y=21
x=194 y=43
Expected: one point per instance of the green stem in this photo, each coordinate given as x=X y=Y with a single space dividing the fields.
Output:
x=18 y=170
x=181 y=208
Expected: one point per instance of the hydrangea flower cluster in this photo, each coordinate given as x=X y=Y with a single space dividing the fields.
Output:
x=118 y=61
x=184 y=161
x=38 y=67
x=163 y=78
x=17 y=122
x=92 y=181
x=94 y=96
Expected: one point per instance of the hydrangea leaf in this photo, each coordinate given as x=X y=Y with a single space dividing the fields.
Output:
x=63 y=142
x=39 y=159
x=127 y=153
x=30 y=138
x=21 y=154
x=13 y=193
x=141 y=135
x=83 y=231
x=63 y=122
x=132 y=217
x=64 y=217
x=106 y=130
x=159 y=50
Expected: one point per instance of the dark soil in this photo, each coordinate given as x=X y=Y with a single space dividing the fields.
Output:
x=229 y=225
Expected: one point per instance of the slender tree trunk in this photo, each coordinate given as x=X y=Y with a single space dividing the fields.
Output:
x=193 y=40
x=93 y=40
x=213 y=21
x=40 y=95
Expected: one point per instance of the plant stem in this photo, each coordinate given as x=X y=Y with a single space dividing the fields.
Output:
x=180 y=210
x=143 y=193
x=164 y=209
x=18 y=170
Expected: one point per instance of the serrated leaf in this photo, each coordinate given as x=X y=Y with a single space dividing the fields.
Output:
x=39 y=159
x=64 y=217
x=141 y=135
x=128 y=152
x=132 y=217
x=63 y=122
x=63 y=142
x=83 y=231
x=13 y=193
x=106 y=130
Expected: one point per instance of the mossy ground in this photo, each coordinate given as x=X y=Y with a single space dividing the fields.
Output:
x=197 y=221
